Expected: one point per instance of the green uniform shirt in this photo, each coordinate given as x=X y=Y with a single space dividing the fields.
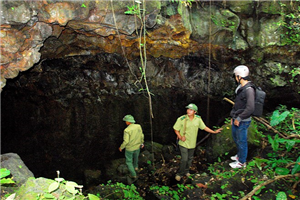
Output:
x=133 y=137
x=191 y=130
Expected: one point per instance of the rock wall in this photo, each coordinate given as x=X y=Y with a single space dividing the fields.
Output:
x=228 y=33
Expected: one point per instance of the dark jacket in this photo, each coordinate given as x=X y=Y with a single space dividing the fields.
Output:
x=244 y=103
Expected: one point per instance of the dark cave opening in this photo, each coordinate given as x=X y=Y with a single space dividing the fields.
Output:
x=66 y=114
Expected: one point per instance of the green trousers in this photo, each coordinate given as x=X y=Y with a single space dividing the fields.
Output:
x=132 y=159
x=187 y=156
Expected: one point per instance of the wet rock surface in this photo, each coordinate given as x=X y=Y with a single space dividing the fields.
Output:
x=18 y=169
x=32 y=31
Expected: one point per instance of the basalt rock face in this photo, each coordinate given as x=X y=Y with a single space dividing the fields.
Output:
x=80 y=73
x=244 y=32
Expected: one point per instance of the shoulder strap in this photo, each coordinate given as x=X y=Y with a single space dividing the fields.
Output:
x=184 y=125
x=251 y=84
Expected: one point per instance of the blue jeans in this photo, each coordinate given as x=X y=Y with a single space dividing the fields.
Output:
x=239 y=135
x=187 y=156
x=132 y=159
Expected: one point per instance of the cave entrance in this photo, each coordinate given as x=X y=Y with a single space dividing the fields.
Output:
x=67 y=114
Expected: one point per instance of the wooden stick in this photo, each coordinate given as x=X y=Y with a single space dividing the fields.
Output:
x=203 y=139
x=250 y=194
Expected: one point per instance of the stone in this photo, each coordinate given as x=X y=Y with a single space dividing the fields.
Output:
x=17 y=167
x=92 y=177
x=114 y=166
x=245 y=7
x=270 y=32
x=16 y=13
x=223 y=143
x=34 y=188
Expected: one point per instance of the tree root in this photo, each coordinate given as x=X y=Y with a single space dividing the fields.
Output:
x=250 y=194
x=295 y=185
x=293 y=136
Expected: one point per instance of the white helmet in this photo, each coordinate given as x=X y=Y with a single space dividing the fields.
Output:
x=241 y=71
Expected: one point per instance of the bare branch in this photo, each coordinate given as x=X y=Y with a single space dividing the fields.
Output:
x=250 y=194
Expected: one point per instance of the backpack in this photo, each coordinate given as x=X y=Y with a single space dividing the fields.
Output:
x=260 y=96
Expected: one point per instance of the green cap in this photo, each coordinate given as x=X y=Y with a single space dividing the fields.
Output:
x=129 y=118
x=192 y=106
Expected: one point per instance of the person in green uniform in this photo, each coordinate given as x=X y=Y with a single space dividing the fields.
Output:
x=186 y=129
x=133 y=141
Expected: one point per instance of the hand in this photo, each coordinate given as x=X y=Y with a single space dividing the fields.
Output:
x=120 y=149
x=183 y=138
x=219 y=130
x=142 y=146
x=236 y=122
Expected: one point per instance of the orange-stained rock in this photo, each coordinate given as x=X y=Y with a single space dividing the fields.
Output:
x=60 y=12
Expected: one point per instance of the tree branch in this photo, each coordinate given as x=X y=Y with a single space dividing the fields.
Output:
x=250 y=194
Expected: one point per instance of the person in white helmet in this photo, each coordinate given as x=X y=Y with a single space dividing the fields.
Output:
x=241 y=114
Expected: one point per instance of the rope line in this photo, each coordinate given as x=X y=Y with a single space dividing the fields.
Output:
x=119 y=36
x=209 y=67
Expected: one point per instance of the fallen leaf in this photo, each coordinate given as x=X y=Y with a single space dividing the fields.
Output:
x=200 y=185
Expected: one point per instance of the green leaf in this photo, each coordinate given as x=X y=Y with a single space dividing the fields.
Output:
x=289 y=145
x=6 y=181
x=175 y=196
x=255 y=198
x=281 y=196
x=259 y=161
x=53 y=187
x=297 y=166
x=70 y=186
x=282 y=171
x=259 y=190
x=126 y=194
x=93 y=197
x=49 y=196
x=128 y=12
x=274 y=143
x=71 y=183
x=277 y=118
x=83 y=5
x=59 y=179
x=4 y=172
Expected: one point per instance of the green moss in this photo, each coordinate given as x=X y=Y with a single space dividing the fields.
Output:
x=254 y=136
x=223 y=142
x=278 y=81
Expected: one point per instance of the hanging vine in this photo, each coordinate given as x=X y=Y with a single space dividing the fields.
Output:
x=140 y=13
